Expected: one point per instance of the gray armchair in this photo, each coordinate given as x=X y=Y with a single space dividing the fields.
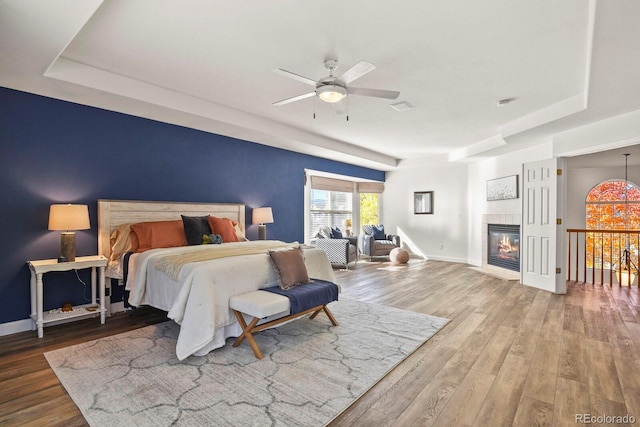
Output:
x=374 y=243
x=340 y=252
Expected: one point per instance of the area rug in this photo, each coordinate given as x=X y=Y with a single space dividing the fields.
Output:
x=311 y=371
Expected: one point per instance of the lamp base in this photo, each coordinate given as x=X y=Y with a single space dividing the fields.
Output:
x=262 y=232
x=626 y=277
x=68 y=246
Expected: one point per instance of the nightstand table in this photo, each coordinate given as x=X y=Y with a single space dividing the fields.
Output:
x=40 y=267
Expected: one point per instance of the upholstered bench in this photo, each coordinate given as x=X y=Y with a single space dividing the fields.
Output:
x=261 y=304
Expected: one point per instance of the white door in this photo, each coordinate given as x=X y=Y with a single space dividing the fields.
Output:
x=542 y=239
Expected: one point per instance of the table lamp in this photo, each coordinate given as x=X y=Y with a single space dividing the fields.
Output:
x=68 y=219
x=262 y=216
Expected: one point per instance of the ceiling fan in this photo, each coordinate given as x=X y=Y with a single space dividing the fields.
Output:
x=332 y=89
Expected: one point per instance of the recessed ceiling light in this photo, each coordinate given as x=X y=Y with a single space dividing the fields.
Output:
x=505 y=101
x=402 y=106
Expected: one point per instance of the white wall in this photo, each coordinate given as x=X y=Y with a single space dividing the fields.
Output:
x=496 y=167
x=441 y=235
x=454 y=231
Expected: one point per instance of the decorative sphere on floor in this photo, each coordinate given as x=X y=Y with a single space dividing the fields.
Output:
x=399 y=256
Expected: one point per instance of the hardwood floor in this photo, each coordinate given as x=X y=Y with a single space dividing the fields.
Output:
x=511 y=354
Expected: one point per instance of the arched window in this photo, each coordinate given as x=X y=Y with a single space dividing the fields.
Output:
x=611 y=205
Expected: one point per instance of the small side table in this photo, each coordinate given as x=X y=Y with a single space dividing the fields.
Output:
x=40 y=267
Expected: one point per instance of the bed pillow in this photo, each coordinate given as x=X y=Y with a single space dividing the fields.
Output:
x=290 y=267
x=120 y=241
x=211 y=239
x=239 y=234
x=157 y=234
x=194 y=228
x=225 y=227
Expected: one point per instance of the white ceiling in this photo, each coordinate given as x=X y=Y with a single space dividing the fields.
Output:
x=209 y=65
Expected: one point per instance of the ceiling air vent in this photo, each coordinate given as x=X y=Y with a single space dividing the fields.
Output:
x=402 y=106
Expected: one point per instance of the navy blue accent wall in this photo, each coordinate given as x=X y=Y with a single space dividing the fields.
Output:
x=59 y=152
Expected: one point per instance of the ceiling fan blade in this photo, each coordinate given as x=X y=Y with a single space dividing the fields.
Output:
x=295 y=98
x=378 y=93
x=339 y=108
x=357 y=71
x=295 y=76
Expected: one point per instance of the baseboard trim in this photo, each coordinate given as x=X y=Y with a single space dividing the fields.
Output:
x=447 y=259
x=9 y=328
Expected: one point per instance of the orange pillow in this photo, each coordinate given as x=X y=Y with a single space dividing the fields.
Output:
x=225 y=227
x=157 y=234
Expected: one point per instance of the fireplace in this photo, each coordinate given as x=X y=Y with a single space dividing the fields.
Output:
x=503 y=246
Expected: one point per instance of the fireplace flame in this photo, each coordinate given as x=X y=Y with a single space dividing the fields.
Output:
x=503 y=246
x=506 y=248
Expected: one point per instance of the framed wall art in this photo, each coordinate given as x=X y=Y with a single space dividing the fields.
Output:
x=502 y=188
x=423 y=202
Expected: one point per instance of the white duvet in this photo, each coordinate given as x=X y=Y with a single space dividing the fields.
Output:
x=199 y=300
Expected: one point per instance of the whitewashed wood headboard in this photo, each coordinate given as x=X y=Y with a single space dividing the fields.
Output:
x=112 y=213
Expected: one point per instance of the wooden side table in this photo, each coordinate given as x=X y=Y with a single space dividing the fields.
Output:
x=40 y=267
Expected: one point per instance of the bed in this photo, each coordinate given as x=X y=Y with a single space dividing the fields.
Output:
x=194 y=283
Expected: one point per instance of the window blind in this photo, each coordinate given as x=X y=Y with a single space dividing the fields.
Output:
x=370 y=187
x=331 y=184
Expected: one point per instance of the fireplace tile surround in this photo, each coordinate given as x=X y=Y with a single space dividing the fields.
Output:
x=502 y=273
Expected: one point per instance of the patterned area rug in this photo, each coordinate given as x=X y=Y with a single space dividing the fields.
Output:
x=311 y=371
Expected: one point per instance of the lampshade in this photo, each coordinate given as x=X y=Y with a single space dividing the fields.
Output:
x=331 y=93
x=262 y=216
x=69 y=217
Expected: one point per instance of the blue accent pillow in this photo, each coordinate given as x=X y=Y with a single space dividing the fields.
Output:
x=336 y=233
x=377 y=231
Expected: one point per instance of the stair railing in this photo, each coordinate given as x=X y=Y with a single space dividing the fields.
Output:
x=596 y=255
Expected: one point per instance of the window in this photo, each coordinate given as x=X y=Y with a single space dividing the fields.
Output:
x=610 y=205
x=329 y=208
x=369 y=208
x=333 y=202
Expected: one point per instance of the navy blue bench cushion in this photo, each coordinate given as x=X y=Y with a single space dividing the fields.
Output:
x=303 y=297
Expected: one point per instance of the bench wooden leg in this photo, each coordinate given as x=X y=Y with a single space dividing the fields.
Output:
x=246 y=333
x=247 y=330
x=328 y=312
x=330 y=315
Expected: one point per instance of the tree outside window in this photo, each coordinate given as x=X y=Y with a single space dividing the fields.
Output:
x=611 y=205
x=369 y=208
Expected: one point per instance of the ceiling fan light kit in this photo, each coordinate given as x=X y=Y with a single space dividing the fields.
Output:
x=331 y=93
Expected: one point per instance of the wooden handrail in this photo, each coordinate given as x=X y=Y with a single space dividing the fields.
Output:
x=592 y=230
